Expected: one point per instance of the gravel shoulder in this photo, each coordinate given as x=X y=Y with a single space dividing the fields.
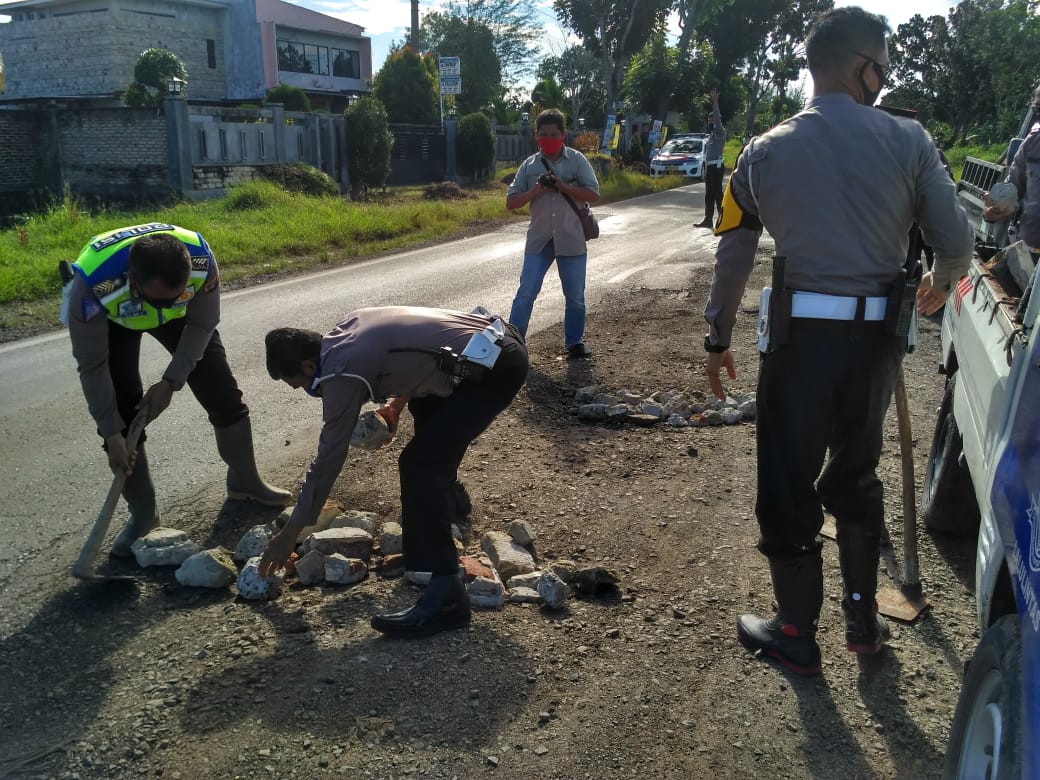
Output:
x=156 y=680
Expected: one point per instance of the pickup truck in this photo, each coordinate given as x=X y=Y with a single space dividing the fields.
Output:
x=984 y=472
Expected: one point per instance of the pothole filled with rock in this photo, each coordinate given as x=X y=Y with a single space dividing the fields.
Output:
x=677 y=408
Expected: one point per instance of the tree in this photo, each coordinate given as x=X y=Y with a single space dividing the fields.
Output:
x=548 y=94
x=613 y=30
x=476 y=146
x=513 y=24
x=575 y=70
x=406 y=87
x=369 y=145
x=657 y=81
x=153 y=70
x=473 y=43
x=293 y=98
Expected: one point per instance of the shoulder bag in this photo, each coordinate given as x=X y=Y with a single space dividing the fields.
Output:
x=589 y=225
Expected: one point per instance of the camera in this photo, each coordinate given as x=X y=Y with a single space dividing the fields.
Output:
x=547 y=181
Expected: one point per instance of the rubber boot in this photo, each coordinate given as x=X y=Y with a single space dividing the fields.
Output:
x=139 y=493
x=859 y=553
x=443 y=606
x=789 y=636
x=244 y=483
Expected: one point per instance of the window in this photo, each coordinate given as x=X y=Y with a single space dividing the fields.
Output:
x=211 y=53
x=346 y=63
x=290 y=57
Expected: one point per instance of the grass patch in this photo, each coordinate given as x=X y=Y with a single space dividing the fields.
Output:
x=957 y=154
x=260 y=229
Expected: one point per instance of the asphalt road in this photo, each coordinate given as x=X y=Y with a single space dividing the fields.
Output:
x=54 y=476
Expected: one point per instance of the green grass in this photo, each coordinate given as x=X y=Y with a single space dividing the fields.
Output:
x=259 y=230
x=957 y=154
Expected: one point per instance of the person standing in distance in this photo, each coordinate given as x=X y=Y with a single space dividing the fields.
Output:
x=555 y=232
x=826 y=377
x=713 y=169
x=163 y=280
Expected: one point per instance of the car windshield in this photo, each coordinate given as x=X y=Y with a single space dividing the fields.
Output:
x=686 y=146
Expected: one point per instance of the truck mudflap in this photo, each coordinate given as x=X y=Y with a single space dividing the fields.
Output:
x=1015 y=500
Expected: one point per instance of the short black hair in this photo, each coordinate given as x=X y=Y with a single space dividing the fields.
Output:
x=287 y=348
x=551 y=116
x=839 y=34
x=162 y=257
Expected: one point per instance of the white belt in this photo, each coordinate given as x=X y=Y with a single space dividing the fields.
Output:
x=714 y=162
x=809 y=305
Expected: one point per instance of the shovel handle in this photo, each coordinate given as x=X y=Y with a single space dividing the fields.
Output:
x=83 y=568
x=911 y=574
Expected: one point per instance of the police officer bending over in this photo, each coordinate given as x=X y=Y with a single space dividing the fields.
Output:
x=838 y=187
x=163 y=280
x=456 y=372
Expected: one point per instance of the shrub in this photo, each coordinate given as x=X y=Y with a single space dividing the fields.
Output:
x=602 y=163
x=153 y=70
x=586 y=141
x=635 y=151
x=293 y=98
x=638 y=167
x=254 y=195
x=476 y=146
x=369 y=145
x=446 y=190
x=301 y=177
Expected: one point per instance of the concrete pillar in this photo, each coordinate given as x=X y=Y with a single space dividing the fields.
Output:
x=340 y=128
x=278 y=128
x=311 y=131
x=178 y=145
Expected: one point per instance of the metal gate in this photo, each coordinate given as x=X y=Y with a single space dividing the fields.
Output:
x=418 y=156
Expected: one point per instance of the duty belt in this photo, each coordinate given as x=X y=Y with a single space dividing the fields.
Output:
x=817 y=306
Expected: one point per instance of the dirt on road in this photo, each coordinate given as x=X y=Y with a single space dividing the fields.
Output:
x=156 y=680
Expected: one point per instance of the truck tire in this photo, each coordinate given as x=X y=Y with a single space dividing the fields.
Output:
x=986 y=735
x=948 y=499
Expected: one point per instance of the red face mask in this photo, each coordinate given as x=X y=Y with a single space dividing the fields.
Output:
x=550 y=146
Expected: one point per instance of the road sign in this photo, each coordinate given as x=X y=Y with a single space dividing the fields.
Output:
x=451 y=85
x=449 y=66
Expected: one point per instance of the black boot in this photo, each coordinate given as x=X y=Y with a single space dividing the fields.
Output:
x=859 y=554
x=463 y=503
x=789 y=637
x=244 y=483
x=139 y=493
x=443 y=606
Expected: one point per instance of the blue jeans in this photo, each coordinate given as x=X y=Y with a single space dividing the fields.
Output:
x=572 y=278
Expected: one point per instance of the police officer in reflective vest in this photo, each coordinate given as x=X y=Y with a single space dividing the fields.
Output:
x=838 y=187
x=161 y=279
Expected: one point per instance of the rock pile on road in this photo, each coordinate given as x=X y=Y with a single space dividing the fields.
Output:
x=677 y=408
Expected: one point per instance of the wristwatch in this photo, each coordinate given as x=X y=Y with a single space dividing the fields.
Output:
x=709 y=347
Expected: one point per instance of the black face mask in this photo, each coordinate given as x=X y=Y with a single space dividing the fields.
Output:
x=870 y=96
x=155 y=303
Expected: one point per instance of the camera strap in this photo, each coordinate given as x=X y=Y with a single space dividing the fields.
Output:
x=566 y=197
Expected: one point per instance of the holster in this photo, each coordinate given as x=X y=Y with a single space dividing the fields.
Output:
x=778 y=324
x=901 y=306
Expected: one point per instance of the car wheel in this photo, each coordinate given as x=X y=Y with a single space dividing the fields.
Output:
x=985 y=738
x=948 y=501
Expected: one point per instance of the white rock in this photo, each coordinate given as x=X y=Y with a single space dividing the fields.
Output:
x=678 y=421
x=524 y=596
x=348 y=542
x=485 y=592
x=163 y=547
x=732 y=416
x=254 y=587
x=617 y=412
x=508 y=557
x=566 y=570
x=207 y=569
x=252 y=543
x=370 y=432
x=654 y=410
x=529 y=580
x=1004 y=194
x=521 y=532
x=593 y=411
x=391 y=541
x=749 y=409
x=344 y=571
x=586 y=394
x=553 y=590
x=310 y=569
x=329 y=512
x=355 y=518
x=631 y=399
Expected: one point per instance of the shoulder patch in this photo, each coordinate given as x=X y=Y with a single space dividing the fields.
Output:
x=107 y=287
x=732 y=216
x=200 y=264
x=755 y=152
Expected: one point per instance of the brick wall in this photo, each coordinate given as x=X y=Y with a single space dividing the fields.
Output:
x=115 y=153
x=221 y=177
x=17 y=150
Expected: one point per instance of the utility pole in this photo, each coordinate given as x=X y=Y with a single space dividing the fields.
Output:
x=415 y=25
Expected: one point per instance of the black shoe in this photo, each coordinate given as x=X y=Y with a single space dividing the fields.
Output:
x=707 y=222
x=443 y=606
x=865 y=630
x=783 y=642
x=463 y=503
x=578 y=351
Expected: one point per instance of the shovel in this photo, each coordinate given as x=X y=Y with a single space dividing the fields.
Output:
x=907 y=602
x=83 y=568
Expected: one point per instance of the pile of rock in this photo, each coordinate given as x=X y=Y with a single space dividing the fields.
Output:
x=341 y=548
x=678 y=408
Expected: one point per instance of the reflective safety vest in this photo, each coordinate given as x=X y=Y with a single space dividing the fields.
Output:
x=103 y=264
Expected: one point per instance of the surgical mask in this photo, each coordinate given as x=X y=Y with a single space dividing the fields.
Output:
x=550 y=146
x=314 y=388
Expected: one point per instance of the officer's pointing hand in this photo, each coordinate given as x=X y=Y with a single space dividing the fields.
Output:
x=716 y=362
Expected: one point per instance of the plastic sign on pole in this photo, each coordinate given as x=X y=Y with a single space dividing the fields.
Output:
x=449 y=66
x=451 y=85
x=608 y=133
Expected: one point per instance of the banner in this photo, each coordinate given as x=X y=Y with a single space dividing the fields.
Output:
x=608 y=133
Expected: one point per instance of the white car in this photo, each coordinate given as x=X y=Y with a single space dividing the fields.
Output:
x=684 y=156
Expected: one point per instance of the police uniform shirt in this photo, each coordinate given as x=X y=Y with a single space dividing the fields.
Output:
x=716 y=140
x=552 y=218
x=1024 y=174
x=375 y=354
x=838 y=187
x=88 y=330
